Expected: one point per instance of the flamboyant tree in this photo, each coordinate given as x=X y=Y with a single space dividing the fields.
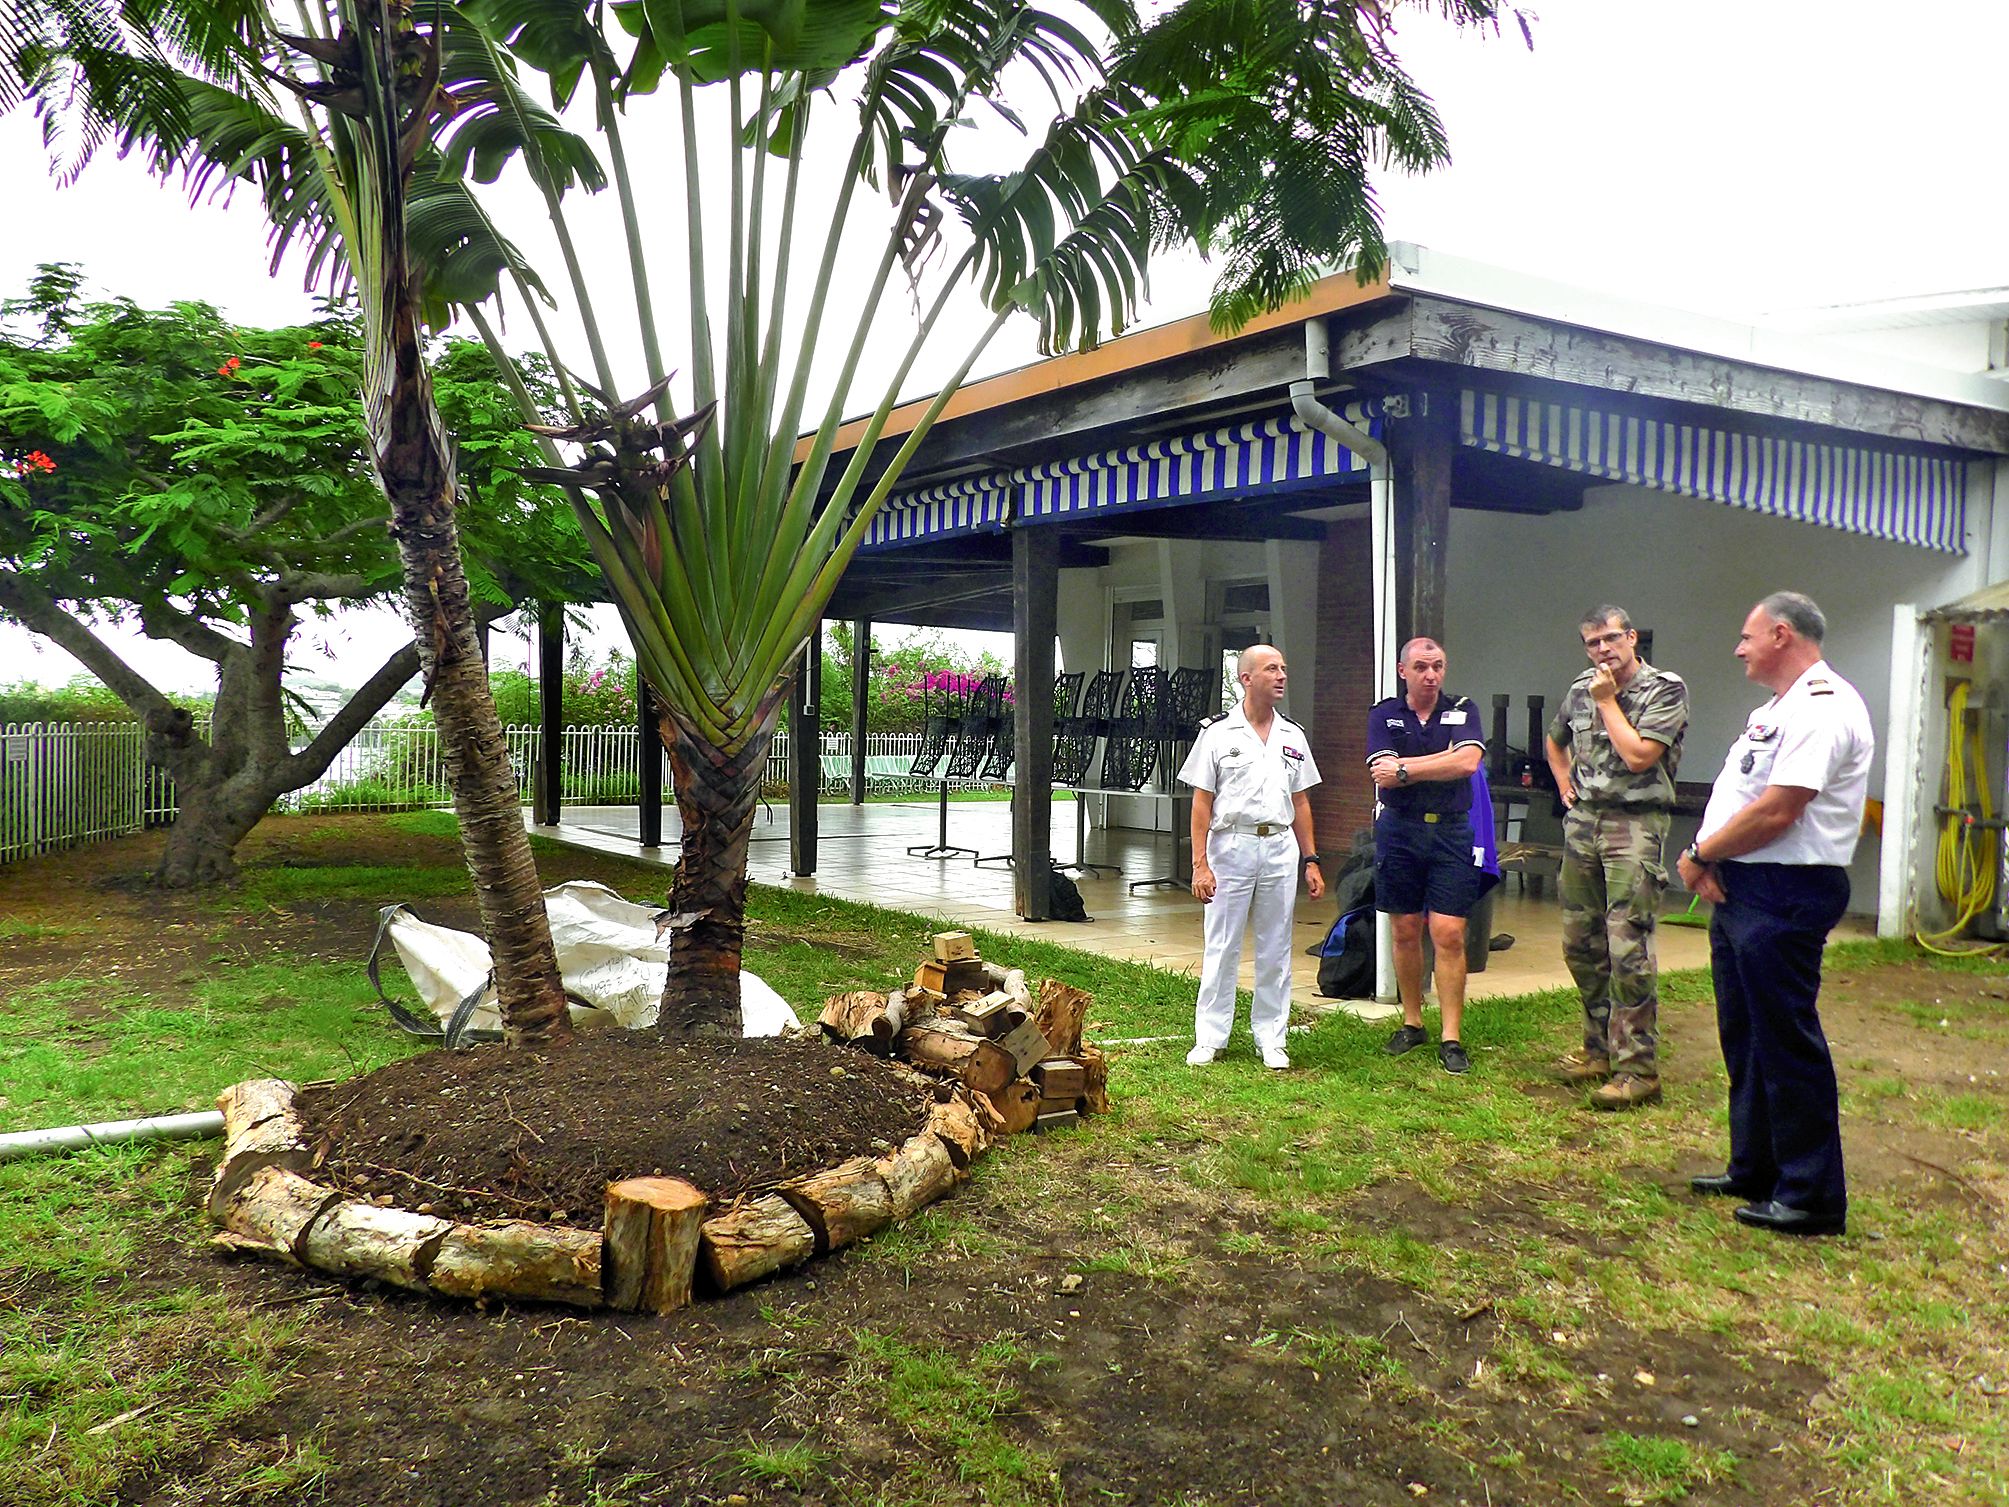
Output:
x=209 y=483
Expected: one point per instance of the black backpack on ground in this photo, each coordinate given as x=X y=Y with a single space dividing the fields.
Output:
x=1063 y=897
x=1346 y=957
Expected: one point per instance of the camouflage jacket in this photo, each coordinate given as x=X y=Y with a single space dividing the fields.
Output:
x=1656 y=704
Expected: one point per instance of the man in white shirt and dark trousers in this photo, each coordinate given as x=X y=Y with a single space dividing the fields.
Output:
x=1772 y=856
x=1252 y=839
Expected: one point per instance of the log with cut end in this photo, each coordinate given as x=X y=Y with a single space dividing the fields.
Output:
x=859 y=1019
x=518 y=1259
x=751 y=1239
x=1017 y=1106
x=952 y=978
x=271 y=1210
x=650 y=1253
x=353 y=1239
x=1094 y=1080
x=1028 y=1046
x=991 y=1014
x=261 y=1129
x=842 y=1204
x=1059 y=1014
x=957 y=1126
x=916 y=1173
x=948 y=1046
x=1059 y=1078
x=954 y=946
x=253 y=1102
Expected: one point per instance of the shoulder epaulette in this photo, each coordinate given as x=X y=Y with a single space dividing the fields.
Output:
x=1210 y=721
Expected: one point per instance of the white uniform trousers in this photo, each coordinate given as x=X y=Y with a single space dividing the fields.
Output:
x=1255 y=886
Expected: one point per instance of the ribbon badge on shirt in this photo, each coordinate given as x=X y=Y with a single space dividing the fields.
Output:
x=1293 y=753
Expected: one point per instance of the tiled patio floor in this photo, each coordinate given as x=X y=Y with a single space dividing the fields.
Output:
x=862 y=855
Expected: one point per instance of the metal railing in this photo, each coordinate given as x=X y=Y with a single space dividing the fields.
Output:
x=67 y=783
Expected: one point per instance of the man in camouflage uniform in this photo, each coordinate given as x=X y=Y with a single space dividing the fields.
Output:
x=1614 y=747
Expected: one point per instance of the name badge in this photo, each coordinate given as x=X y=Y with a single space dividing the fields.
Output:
x=1453 y=719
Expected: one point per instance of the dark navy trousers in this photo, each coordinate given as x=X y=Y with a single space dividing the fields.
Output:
x=1765 y=956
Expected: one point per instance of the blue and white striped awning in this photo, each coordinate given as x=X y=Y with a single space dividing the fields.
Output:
x=1261 y=458
x=1880 y=491
x=1246 y=460
x=971 y=505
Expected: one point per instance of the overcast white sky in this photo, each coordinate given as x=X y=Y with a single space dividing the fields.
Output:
x=1730 y=156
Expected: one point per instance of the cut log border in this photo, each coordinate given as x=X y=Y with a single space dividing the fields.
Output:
x=268 y=1208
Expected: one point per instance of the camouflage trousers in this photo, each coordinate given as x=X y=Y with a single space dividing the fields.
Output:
x=1612 y=880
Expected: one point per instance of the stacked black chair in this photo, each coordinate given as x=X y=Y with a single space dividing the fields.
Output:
x=1130 y=754
x=1191 y=696
x=1074 y=749
x=1003 y=743
x=948 y=732
x=981 y=715
x=941 y=711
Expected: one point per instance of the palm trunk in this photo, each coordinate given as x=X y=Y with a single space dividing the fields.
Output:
x=716 y=796
x=416 y=468
x=530 y=992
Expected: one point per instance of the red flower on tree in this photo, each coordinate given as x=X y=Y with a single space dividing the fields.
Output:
x=228 y=367
x=32 y=462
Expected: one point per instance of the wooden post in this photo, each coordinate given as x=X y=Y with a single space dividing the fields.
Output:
x=861 y=683
x=545 y=796
x=805 y=750
x=649 y=748
x=651 y=1251
x=1422 y=448
x=1035 y=595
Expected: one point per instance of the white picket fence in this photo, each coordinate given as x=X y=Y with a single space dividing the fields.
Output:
x=67 y=783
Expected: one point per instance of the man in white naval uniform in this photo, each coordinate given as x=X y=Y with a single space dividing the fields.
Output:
x=1250 y=769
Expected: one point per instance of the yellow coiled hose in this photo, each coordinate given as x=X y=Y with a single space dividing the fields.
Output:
x=1969 y=851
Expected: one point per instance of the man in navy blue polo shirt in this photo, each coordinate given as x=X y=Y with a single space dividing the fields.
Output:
x=1422 y=748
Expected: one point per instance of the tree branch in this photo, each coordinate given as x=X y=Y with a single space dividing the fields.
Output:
x=39 y=611
x=311 y=762
x=165 y=622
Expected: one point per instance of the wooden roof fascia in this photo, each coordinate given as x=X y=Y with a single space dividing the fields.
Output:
x=1126 y=355
x=1439 y=341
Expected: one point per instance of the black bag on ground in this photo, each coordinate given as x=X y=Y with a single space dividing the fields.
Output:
x=1346 y=959
x=1063 y=898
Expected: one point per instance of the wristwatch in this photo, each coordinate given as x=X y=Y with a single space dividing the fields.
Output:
x=1693 y=853
x=1309 y=858
x=1402 y=774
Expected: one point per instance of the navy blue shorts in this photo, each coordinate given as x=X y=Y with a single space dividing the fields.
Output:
x=1425 y=866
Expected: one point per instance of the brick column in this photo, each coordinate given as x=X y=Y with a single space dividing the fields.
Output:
x=1343 y=802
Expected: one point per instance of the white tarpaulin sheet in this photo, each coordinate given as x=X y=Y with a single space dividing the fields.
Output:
x=612 y=957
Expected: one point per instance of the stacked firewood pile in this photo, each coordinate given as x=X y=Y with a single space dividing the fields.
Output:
x=1017 y=1051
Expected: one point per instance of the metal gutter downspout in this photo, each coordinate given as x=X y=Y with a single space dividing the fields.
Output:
x=188 y=1127
x=1316 y=416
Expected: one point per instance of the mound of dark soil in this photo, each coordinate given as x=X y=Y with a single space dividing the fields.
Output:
x=493 y=1132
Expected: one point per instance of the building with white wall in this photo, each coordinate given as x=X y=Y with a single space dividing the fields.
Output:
x=1519 y=452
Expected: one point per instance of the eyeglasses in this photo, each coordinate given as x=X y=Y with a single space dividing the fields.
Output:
x=1607 y=640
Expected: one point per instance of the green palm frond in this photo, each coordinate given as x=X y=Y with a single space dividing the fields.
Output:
x=496 y=120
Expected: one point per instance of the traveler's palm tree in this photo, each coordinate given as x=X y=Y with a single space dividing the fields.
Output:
x=1244 y=126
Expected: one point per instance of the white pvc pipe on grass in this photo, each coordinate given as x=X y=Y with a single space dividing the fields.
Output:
x=189 y=1127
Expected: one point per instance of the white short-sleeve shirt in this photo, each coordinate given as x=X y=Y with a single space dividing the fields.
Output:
x=1816 y=736
x=1252 y=779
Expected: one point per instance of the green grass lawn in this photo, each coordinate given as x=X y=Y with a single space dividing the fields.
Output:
x=1905 y=1319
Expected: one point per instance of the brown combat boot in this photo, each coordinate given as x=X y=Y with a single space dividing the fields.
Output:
x=1582 y=1067
x=1626 y=1091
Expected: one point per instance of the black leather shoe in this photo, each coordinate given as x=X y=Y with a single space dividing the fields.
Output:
x=1721 y=1184
x=1787 y=1220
